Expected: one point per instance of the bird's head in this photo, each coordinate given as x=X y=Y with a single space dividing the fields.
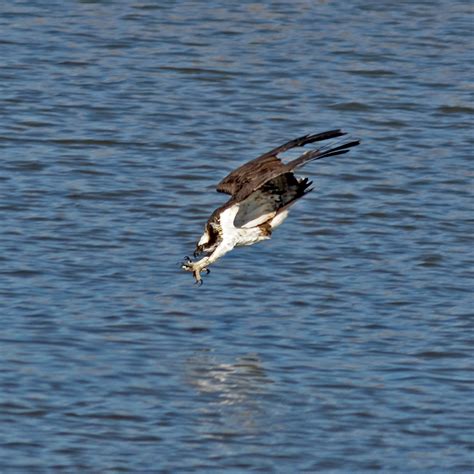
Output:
x=209 y=240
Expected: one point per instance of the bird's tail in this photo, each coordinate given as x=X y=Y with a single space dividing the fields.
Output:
x=332 y=149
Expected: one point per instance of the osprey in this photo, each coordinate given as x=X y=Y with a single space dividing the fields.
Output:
x=262 y=191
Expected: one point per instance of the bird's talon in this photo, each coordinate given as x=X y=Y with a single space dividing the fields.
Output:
x=187 y=263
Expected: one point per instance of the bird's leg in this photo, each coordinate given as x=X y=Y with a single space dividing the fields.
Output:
x=196 y=268
x=201 y=265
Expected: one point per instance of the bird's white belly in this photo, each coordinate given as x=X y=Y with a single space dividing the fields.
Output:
x=251 y=236
x=238 y=236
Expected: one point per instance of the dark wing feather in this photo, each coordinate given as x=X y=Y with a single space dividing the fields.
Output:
x=249 y=174
x=256 y=172
x=321 y=153
x=302 y=141
x=254 y=179
x=275 y=195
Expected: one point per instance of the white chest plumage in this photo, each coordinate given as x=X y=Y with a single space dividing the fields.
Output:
x=233 y=236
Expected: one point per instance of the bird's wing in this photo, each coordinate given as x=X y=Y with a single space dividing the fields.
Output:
x=241 y=182
x=257 y=209
x=250 y=175
x=264 y=203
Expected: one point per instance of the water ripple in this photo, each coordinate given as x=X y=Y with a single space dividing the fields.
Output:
x=348 y=331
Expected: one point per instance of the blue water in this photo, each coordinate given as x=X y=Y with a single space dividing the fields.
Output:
x=344 y=344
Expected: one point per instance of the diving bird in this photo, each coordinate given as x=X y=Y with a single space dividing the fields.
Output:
x=262 y=191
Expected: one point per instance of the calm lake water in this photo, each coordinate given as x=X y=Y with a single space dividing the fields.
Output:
x=344 y=344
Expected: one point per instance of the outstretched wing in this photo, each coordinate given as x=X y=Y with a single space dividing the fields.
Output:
x=249 y=177
x=256 y=172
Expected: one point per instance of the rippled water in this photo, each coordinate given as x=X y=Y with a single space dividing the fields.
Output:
x=344 y=344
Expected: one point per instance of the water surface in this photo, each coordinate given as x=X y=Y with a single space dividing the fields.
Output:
x=344 y=344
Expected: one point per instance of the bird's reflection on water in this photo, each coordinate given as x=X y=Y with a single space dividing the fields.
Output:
x=232 y=393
